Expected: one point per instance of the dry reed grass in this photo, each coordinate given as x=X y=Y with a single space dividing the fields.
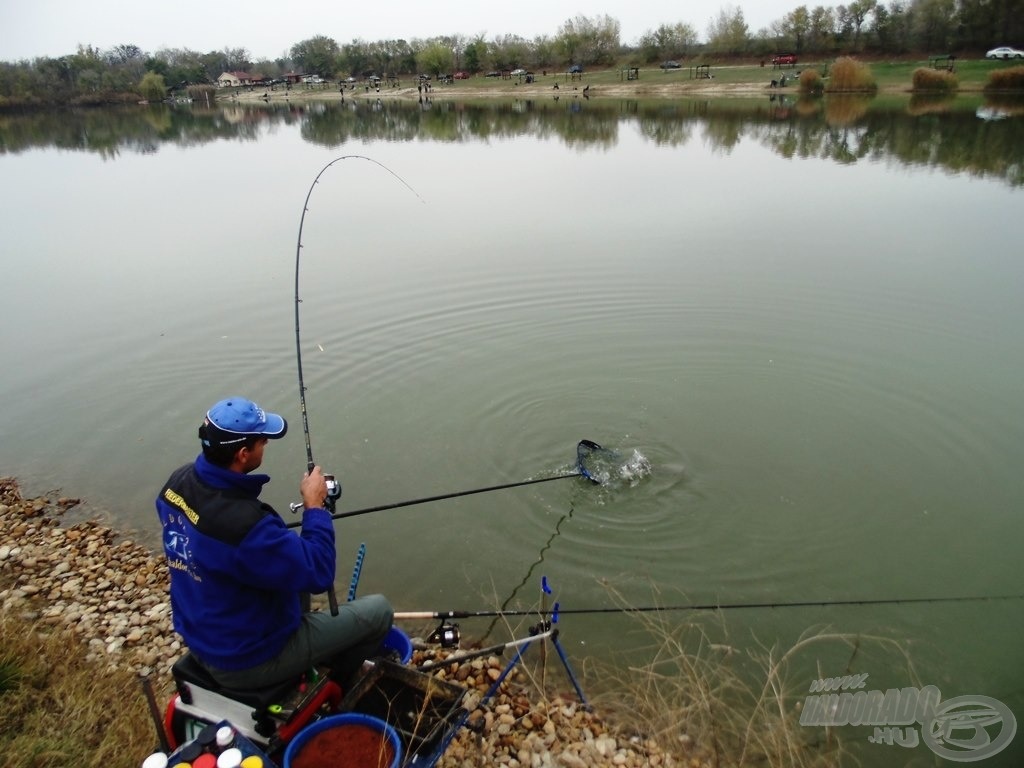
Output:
x=1009 y=79
x=58 y=710
x=937 y=80
x=811 y=82
x=699 y=697
x=850 y=75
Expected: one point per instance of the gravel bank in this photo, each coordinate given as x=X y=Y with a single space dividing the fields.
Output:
x=111 y=592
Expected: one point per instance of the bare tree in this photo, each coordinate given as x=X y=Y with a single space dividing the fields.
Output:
x=858 y=11
x=797 y=27
x=727 y=32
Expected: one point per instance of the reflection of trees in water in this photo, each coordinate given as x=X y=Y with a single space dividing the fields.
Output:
x=725 y=132
x=930 y=103
x=125 y=129
x=662 y=125
x=456 y=122
x=842 y=144
x=666 y=133
x=846 y=109
x=944 y=132
x=953 y=139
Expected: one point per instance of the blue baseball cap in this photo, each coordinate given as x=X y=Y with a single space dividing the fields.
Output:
x=237 y=418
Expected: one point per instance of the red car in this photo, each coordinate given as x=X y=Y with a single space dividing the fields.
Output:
x=462 y=75
x=784 y=58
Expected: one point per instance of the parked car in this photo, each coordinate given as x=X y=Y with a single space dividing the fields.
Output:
x=517 y=72
x=784 y=58
x=576 y=69
x=493 y=74
x=462 y=75
x=670 y=65
x=1004 y=52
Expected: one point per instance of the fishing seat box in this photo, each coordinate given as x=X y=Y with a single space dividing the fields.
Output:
x=203 y=700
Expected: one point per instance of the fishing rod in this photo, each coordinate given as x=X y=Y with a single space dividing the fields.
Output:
x=336 y=488
x=488 y=651
x=445 y=615
x=588 y=455
x=333 y=486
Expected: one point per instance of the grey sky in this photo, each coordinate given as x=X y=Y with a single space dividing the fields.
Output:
x=30 y=28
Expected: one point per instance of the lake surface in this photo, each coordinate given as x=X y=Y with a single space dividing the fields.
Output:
x=806 y=320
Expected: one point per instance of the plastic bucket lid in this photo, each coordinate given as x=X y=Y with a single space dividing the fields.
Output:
x=347 y=720
x=396 y=640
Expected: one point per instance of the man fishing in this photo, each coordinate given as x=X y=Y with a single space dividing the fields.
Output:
x=237 y=572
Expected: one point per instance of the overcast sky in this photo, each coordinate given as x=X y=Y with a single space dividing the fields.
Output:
x=268 y=28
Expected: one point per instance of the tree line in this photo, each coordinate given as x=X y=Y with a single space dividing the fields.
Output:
x=861 y=27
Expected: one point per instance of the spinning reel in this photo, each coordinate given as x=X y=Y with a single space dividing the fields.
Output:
x=333 y=494
x=446 y=634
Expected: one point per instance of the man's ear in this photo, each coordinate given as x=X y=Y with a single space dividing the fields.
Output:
x=240 y=457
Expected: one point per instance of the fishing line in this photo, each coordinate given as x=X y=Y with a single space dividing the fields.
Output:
x=409 y=615
x=529 y=573
x=597 y=464
x=298 y=250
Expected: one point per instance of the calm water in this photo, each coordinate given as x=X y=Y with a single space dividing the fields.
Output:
x=807 y=322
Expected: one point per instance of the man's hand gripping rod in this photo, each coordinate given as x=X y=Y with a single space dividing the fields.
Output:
x=333 y=494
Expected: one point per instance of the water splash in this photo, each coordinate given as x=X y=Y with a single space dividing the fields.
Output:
x=635 y=469
x=613 y=469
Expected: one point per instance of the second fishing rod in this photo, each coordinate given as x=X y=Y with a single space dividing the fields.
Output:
x=711 y=606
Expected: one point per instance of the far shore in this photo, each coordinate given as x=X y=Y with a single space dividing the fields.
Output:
x=678 y=90
x=550 y=86
x=531 y=90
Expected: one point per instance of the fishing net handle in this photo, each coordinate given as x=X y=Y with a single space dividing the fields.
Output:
x=584 y=450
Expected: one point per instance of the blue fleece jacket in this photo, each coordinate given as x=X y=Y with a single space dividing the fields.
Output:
x=236 y=569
